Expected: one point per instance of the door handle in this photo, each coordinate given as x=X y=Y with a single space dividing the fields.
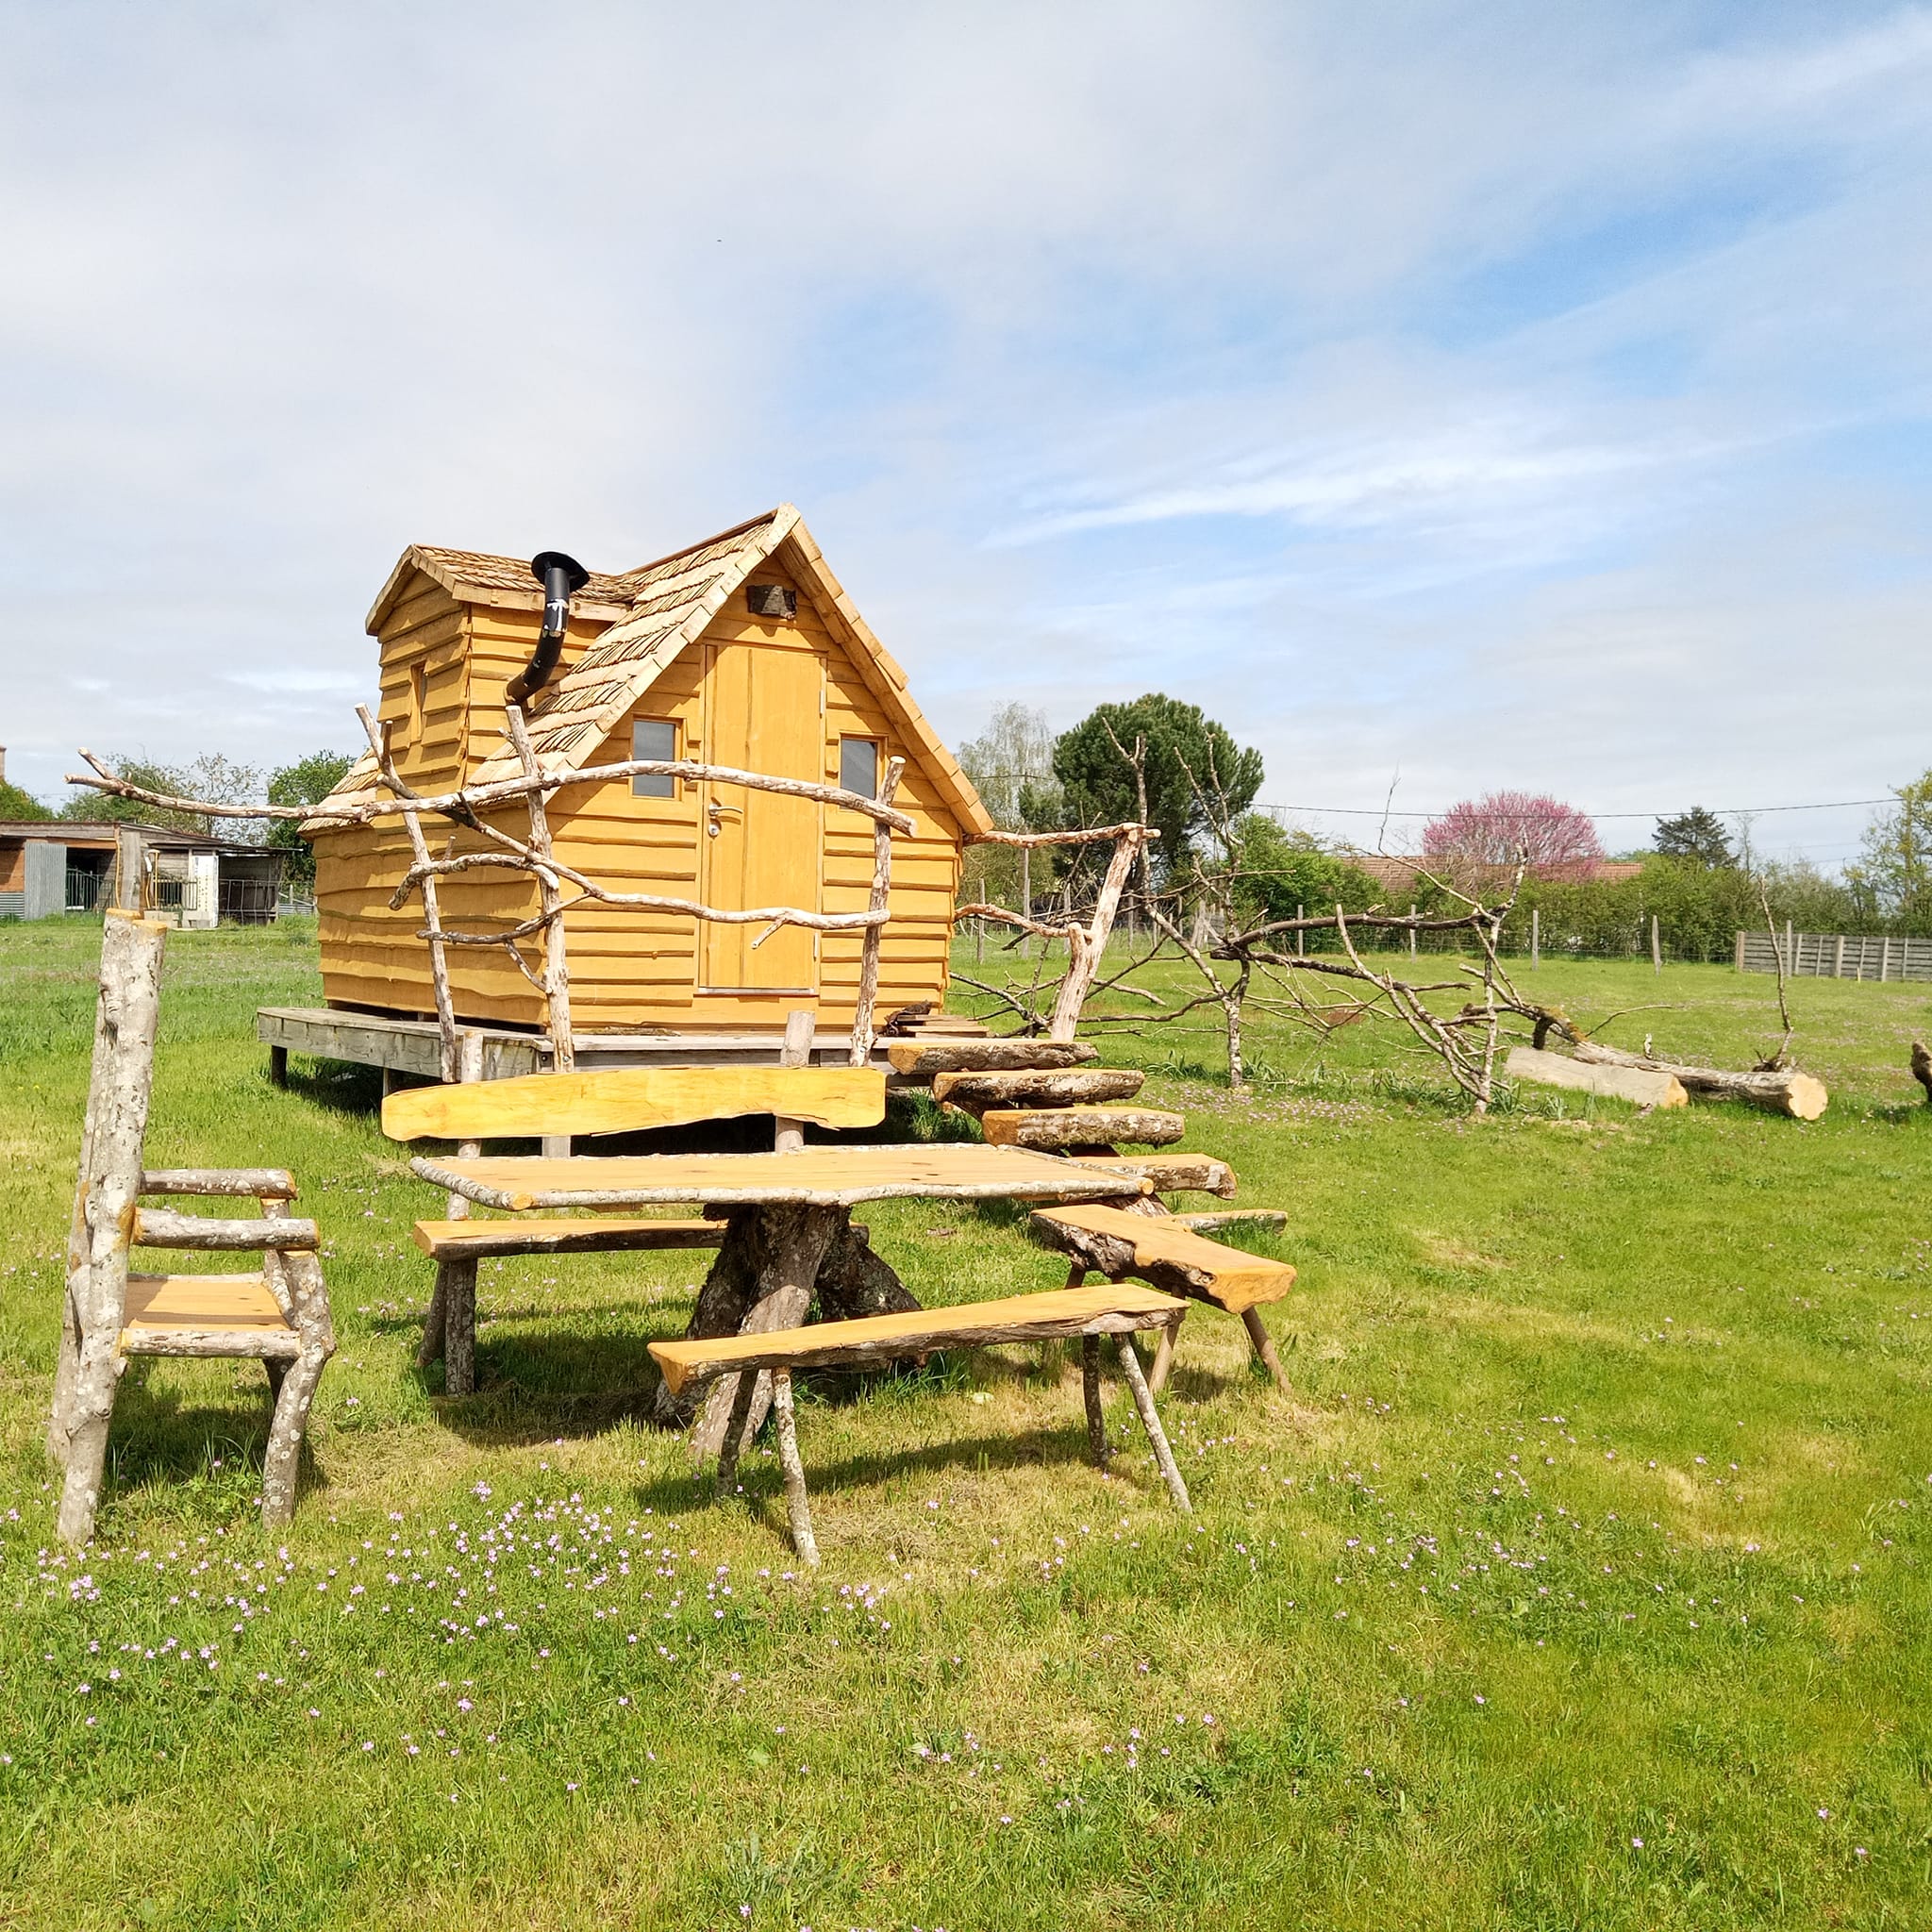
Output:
x=719 y=812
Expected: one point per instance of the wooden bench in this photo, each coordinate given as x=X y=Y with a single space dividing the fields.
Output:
x=1087 y=1312
x=1119 y=1242
x=620 y=1100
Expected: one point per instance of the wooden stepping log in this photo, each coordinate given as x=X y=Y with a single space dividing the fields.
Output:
x=974 y=1093
x=1117 y=1243
x=1049 y=1130
x=1087 y=1312
x=919 y=1059
x=1170 y=1174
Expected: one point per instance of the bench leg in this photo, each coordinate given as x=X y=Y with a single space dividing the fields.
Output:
x=430 y=1348
x=1264 y=1347
x=735 y=1431
x=458 y=1327
x=1150 y=1420
x=278 y=1066
x=284 y=1456
x=1090 y=1389
x=797 y=1505
x=1163 y=1354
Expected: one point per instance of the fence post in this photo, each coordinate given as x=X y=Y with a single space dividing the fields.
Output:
x=1536 y=937
x=1656 y=953
x=1411 y=934
x=1301 y=939
x=1025 y=899
x=1838 y=964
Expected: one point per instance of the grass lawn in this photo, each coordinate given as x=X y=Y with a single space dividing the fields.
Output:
x=1583 y=1583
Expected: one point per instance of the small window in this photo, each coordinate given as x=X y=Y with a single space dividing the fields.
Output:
x=653 y=738
x=771 y=600
x=858 y=766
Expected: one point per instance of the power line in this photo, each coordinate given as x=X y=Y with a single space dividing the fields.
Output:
x=1363 y=811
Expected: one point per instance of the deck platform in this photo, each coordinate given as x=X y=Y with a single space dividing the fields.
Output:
x=401 y=1046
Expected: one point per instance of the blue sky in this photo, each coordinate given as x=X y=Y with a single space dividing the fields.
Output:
x=1444 y=397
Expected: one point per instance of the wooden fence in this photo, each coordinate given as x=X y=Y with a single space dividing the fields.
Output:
x=1835 y=955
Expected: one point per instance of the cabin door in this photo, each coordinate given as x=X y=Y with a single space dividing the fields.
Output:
x=764 y=712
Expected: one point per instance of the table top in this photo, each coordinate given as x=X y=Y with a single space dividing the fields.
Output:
x=810 y=1177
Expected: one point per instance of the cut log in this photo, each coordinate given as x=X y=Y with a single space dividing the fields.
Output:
x=975 y=1092
x=1800 y=1096
x=1081 y=1127
x=926 y=1057
x=1634 y=1084
x=1170 y=1174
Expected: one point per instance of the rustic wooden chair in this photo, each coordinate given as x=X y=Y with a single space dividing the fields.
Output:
x=620 y=1100
x=1087 y=1312
x=278 y=1315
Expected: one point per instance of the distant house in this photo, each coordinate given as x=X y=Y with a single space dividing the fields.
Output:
x=49 y=866
x=1400 y=874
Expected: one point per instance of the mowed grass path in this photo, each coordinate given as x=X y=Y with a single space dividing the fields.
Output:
x=1583 y=1583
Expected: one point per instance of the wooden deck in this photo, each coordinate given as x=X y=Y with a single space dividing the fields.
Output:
x=411 y=1046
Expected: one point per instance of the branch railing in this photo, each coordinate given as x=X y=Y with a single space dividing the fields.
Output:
x=536 y=855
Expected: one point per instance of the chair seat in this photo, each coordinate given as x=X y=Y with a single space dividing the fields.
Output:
x=239 y=1308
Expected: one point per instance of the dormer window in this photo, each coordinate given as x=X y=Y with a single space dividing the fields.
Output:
x=771 y=600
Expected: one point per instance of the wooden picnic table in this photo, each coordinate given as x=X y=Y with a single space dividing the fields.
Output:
x=786 y=1213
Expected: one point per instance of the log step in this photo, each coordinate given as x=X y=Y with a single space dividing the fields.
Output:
x=1171 y=1174
x=919 y=1059
x=1051 y=1131
x=160 y=1227
x=974 y=1093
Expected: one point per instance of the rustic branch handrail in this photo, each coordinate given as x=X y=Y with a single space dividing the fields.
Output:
x=476 y=798
x=1095 y=836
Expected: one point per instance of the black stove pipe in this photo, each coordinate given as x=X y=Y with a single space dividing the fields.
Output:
x=560 y=576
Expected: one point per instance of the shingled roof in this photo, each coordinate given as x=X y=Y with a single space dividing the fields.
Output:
x=657 y=610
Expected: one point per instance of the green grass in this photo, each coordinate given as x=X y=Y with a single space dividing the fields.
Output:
x=1583 y=1583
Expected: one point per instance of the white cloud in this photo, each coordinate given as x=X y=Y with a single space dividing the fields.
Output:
x=1345 y=371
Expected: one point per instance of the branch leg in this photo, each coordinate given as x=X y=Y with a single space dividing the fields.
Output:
x=282 y=1464
x=797 y=1508
x=1163 y=1354
x=1150 y=1420
x=1090 y=1389
x=1264 y=1347
x=735 y=1432
x=460 y=1326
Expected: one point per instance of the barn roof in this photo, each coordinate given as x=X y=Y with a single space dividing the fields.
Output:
x=656 y=610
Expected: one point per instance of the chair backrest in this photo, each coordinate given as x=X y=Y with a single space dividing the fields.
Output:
x=625 y=1100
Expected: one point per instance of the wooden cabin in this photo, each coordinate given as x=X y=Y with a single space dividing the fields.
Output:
x=741 y=650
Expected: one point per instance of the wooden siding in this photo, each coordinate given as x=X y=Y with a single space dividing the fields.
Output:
x=629 y=969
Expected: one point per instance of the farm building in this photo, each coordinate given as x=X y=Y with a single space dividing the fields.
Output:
x=741 y=651
x=49 y=866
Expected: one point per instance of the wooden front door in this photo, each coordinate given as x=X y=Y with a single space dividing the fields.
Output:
x=764 y=712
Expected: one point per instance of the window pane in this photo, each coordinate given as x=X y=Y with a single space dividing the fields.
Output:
x=858 y=766
x=653 y=738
